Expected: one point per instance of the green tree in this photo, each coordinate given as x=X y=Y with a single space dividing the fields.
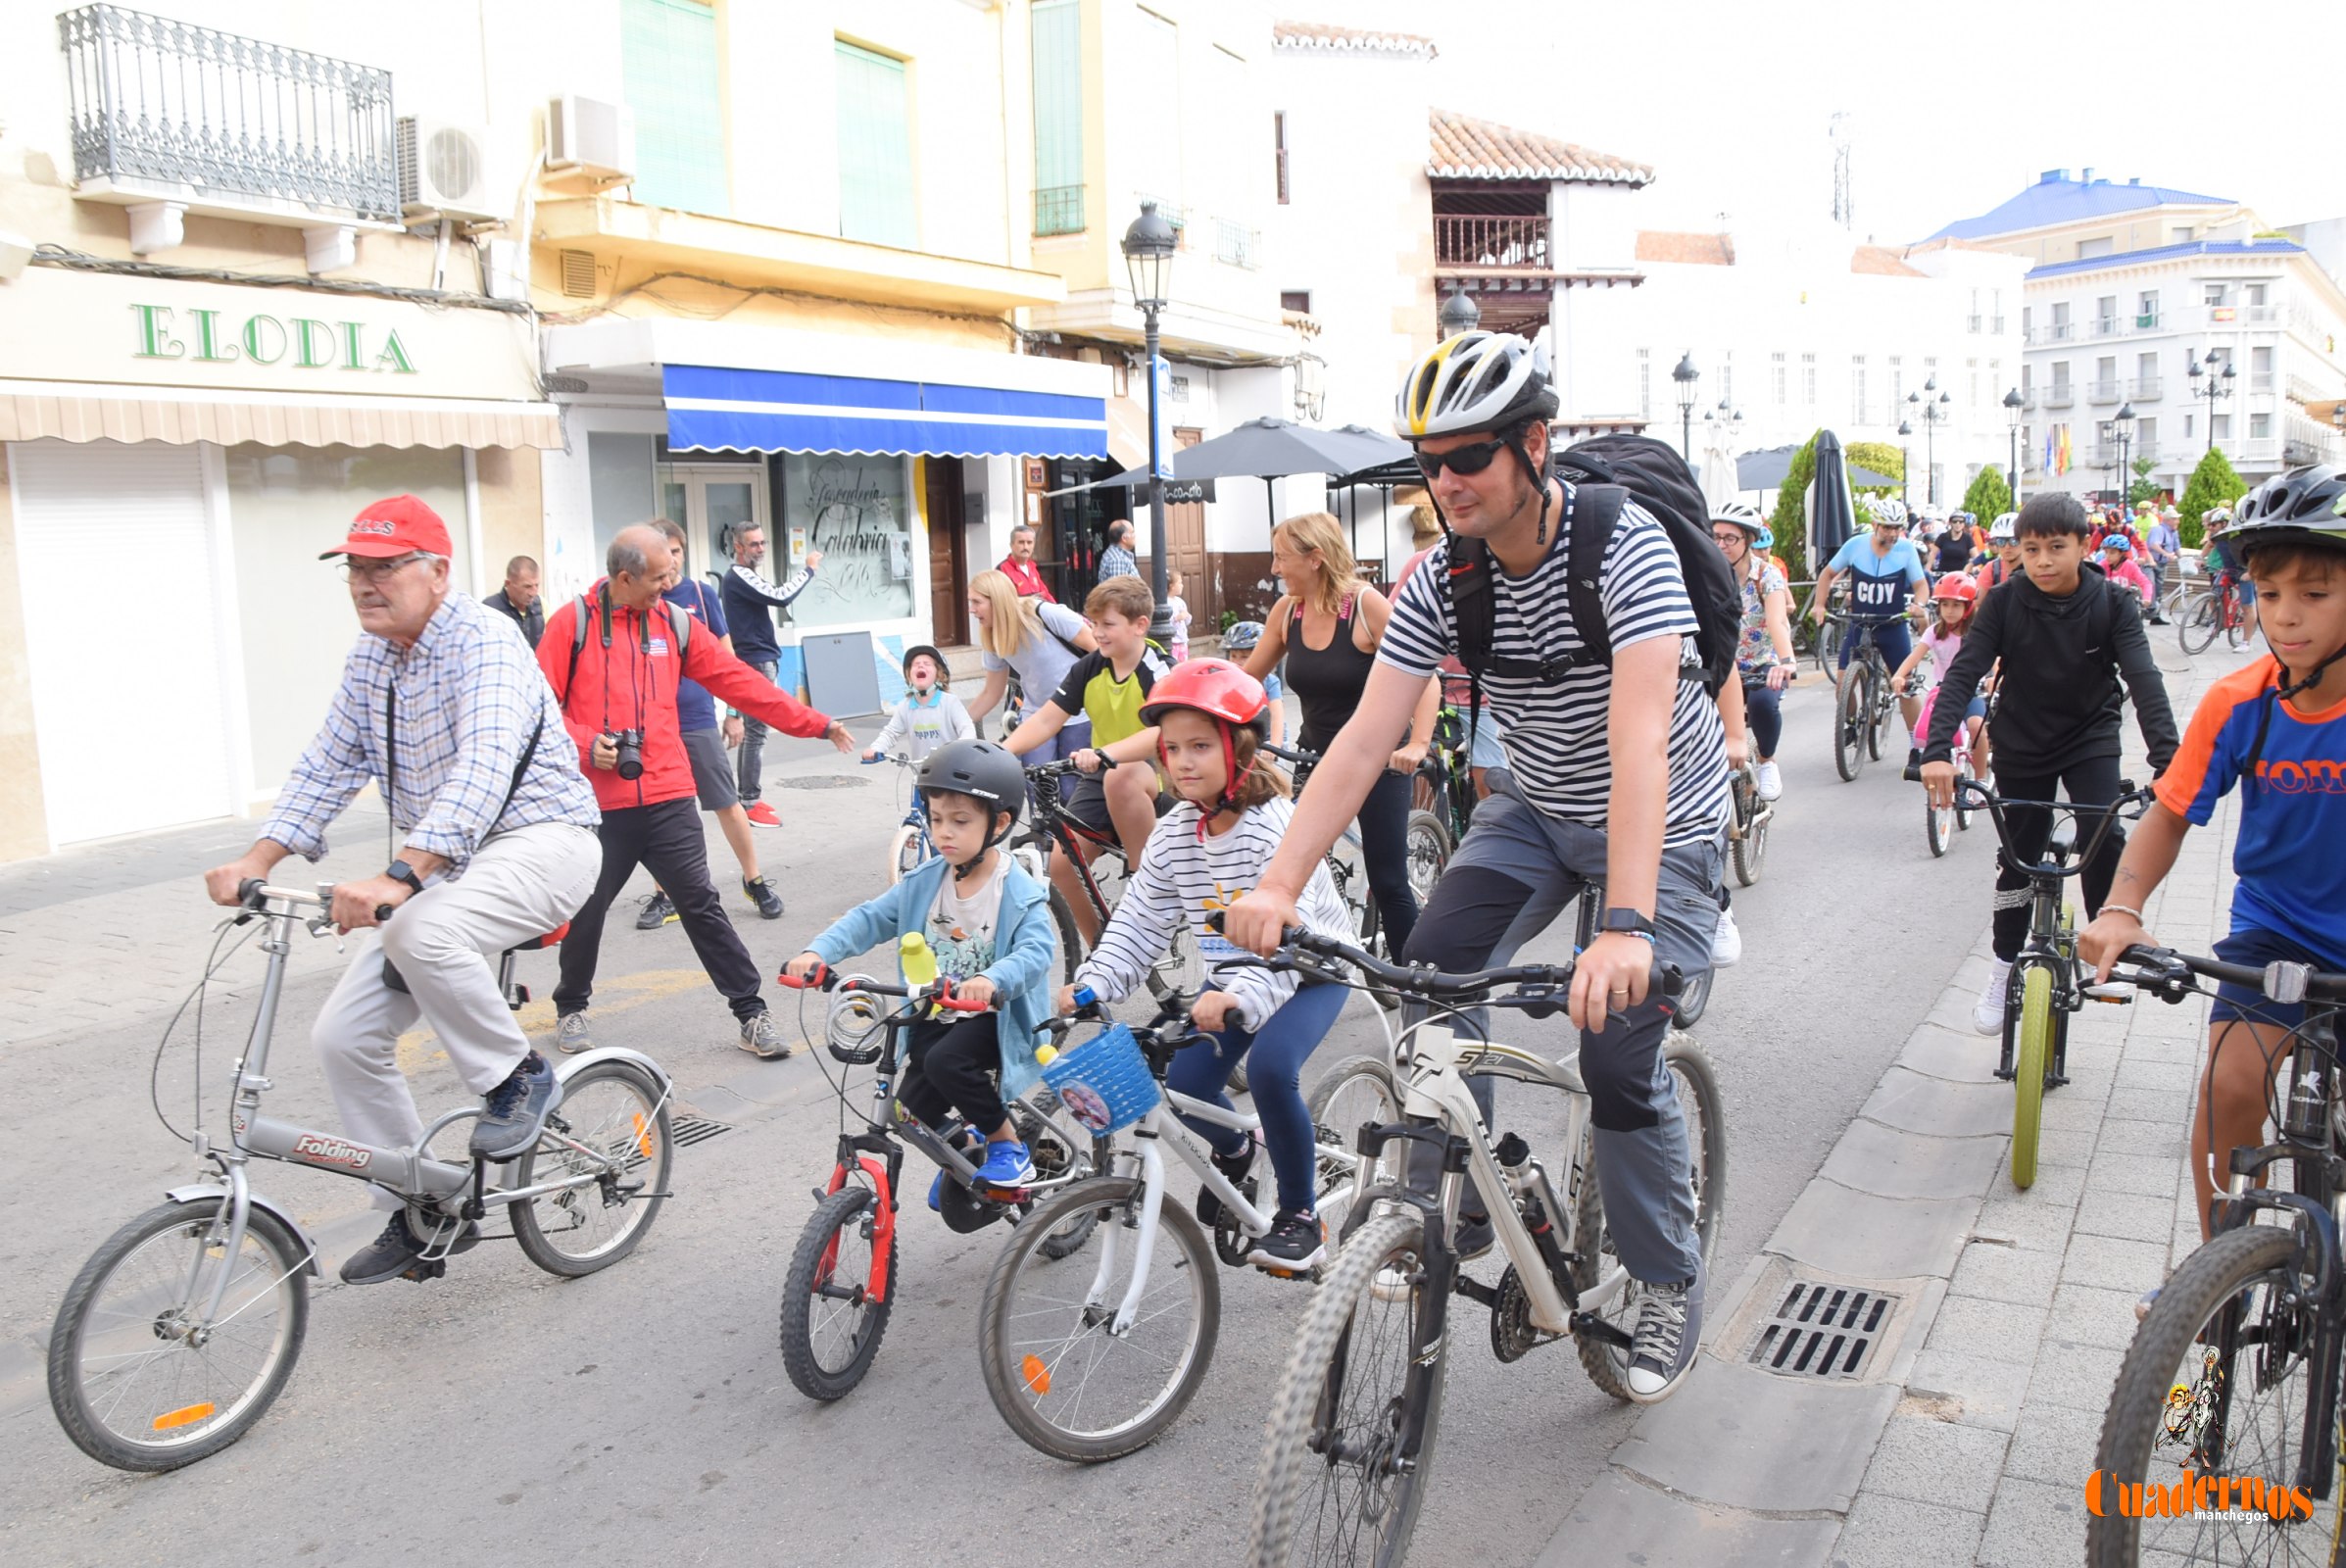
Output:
x=1990 y=497
x=2213 y=483
x=1882 y=459
x=1790 y=520
x=2140 y=488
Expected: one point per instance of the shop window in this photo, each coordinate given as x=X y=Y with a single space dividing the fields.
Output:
x=857 y=510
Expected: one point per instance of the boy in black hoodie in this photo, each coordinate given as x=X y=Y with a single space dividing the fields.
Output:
x=2064 y=636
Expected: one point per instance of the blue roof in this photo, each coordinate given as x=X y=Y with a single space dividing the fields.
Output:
x=2058 y=199
x=2161 y=253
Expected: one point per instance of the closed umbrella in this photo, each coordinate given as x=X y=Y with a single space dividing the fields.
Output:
x=1831 y=514
x=1721 y=482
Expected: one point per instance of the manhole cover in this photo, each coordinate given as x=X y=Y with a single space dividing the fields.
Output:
x=1822 y=1331
x=819 y=781
x=684 y=1130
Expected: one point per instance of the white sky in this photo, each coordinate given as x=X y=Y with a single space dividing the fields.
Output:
x=1956 y=105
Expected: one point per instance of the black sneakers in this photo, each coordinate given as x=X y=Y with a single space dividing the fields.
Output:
x=1298 y=1241
x=761 y=893
x=397 y=1251
x=658 y=909
x=515 y=1112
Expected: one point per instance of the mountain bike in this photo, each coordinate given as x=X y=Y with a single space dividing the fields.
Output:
x=2212 y=609
x=839 y=1289
x=1441 y=801
x=1862 y=707
x=910 y=844
x=182 y=1329
x=1091 y=1358
x=1350 y=1440
x=2229 y=1398
x=1940 y=824
x=2047 y=982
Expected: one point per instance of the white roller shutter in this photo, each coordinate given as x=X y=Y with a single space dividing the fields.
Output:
x=121 y=620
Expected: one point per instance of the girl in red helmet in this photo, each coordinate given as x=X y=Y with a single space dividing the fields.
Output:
x=1955 y=597
x=1212 y=847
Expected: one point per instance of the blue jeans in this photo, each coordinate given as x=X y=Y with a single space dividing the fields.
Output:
x=1274 y=1077
x=748 y=765
x=1890 y=636
x=1763 y=711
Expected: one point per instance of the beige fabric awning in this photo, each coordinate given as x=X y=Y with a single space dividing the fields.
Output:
x=31 y=411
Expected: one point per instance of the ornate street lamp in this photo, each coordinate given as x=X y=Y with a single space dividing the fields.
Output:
x=2211 y=387
x=1686 y=375
x=1933 y=413
x=1458 y=314
x=2013 y=407
x=1149 y=255
x=1905 y=431
x=2124 y=424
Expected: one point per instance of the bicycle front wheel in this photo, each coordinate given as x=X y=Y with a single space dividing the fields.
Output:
x=837 y=1296
x=2215 y=1389
x=1849 y=726
x=1939 y=827
x=1429 y=846
x=142 y=1374
x=1064 y=1377
x=1877 y=706
x=1351 y=1439
x=2196 y=628
x=907 y=850
x=1752 y=847
x=1357 y=1091
x=2238 y=629
x=609 y=1140
x=2034 y=1056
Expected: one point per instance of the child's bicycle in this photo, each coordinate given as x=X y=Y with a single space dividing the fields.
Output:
x=1940 y=824
x=1090 y=1357
x=2047 y=982
x=839 y=1289
x=1100 y=869
x=180 y=1331
x=910 y=844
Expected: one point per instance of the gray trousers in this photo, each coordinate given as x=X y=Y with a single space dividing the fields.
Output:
x=1519 y=869
x=521 y=884
x=749 y=766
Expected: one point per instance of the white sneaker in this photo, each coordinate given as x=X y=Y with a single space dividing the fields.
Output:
x=1727 y=943
x=1770 y=782
x=1988 y=1015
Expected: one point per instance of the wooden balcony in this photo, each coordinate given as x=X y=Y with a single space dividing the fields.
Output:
x=1494 y=242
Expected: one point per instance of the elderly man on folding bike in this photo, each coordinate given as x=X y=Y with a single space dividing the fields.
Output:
x=442 y=707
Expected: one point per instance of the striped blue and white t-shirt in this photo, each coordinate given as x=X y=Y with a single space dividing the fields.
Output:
x=1555 y=731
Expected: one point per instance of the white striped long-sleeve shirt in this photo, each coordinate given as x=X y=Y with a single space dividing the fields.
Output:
x=1185 y=879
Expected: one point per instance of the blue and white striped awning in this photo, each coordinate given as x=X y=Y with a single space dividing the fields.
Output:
x=716 y=409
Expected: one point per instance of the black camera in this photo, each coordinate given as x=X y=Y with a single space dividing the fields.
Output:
x=629 y=743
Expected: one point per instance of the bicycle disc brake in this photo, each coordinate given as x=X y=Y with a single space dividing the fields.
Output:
x=1512 y=1336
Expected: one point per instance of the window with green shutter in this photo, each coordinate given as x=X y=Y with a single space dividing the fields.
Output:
x=669 y=54
x=1058 y=72
x=875 y=150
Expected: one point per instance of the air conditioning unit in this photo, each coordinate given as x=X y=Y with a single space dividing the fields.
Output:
x=592 y=136
x=444 y=170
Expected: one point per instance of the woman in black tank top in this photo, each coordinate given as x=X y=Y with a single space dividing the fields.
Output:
x=1327 y=626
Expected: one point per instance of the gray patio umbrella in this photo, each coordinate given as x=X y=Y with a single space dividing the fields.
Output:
x=1831 y=514
x=1767 y=469
x=1270 y=449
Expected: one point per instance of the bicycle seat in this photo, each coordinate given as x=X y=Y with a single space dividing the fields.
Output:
x=547 y=940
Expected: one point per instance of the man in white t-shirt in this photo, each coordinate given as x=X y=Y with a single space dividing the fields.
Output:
x=1619 y=776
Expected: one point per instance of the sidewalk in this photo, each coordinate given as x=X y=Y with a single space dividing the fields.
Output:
x=1960 y=1418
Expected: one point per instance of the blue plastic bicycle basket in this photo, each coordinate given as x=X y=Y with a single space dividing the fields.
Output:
x=1105 y=1082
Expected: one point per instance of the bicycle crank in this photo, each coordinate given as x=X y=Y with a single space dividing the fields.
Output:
x=1512 y=1336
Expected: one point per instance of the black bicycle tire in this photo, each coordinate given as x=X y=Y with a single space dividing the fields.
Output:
x=1073 y=947
x=2200 y=620
x=2236 y=630
x=533 y=1237
x=1103 y=1193
x=1319 y=1338
x=1876 y=698
x=2220 y=1269
x=1750 y=848
x=1848 y=741
x=1315 y=1106
x=66 y=1393
x=1428 y=826
x=797 y=1290
x=1939 y=829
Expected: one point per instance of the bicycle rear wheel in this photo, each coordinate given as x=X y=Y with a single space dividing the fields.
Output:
x=1069 y=938
x=1062 y=1378
x=1939 y=827
x=2215 y=1385
x=2238 y=629
x=1334 y=1487
x=831 y=1322
x=906 y=849
x=1878 y=704
x=1354 y=1093
x=1964 y=774
x=140 y=1375
x=610 y=1134
x=2196 y=628
x=2029 y=1063
x=1429 y=846
x=1848 y=726
x=1750 y=848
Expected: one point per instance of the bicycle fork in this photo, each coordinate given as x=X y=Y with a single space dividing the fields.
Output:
x=1153 y=1203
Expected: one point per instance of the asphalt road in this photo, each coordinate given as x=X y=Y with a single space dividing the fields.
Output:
x=642 y=1415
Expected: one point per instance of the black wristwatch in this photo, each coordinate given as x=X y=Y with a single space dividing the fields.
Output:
x=401 y=871
x=1629 y=921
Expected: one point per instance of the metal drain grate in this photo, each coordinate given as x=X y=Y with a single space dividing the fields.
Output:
x=1822 y=1331
x=683 y=1130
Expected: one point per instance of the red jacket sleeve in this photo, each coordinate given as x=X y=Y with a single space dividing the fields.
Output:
x=737 y=683
x=554 y=658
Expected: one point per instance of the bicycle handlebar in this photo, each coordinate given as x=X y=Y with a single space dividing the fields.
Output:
x=1994 y=804
x=940 y=992
x=2169 y=973
x=1434 y=985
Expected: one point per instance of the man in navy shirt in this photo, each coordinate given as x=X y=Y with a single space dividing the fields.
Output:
x=705 y=748
x=750 y=604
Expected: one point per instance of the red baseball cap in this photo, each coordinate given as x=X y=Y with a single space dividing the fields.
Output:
x=398 y=526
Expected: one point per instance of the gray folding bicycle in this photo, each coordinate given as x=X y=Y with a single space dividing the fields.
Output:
x=182 y=1330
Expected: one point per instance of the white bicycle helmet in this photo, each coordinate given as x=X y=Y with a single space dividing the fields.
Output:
x=2004 y=529
x=1883 y=511
x=1742 y=515
x=1475 y=381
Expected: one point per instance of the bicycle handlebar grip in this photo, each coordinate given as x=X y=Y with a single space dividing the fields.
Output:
x=382 y=913
x=248 y=890
x=820 y=980
x=1665 y=981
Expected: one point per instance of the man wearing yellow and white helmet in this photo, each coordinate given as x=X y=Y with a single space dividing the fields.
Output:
x=1644 y=812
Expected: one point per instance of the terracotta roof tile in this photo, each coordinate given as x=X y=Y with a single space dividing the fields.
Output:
x=1466 y=148
x=1879 y=261
x=1691 y=250
x=1356 y=40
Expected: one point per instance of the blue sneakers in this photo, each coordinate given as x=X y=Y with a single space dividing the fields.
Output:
x=1006 y=1165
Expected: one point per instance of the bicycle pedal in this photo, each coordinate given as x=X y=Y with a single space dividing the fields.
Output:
x=426 y=1269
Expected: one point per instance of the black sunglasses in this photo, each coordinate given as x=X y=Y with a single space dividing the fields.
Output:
x=1459 y=460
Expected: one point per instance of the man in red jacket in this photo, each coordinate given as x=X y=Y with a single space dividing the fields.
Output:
x=616 y=678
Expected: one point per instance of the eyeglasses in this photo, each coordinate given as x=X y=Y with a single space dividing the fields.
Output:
x=1459 y=460
x=1727 y=536
x=350 y=571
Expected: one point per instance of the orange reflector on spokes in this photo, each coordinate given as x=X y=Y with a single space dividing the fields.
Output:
x=643 y=1136
x=185 y=1416
x=1036 y=1374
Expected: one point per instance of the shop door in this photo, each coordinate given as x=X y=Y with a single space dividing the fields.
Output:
x=948 y=551
x=1185 y=533
x=712 y=501
x=132 y=725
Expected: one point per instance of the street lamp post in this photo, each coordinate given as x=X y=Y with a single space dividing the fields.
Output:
x=1933 y=413
x=2013 y=408
x=2211 y=387
x=1149 y=255
x=2124 y=424
x=1905 y=432
x=1686 y=375
x=1458 y=314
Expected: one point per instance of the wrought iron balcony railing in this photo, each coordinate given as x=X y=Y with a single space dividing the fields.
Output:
x=1496 y=241
x=1059 y=210
x=157 y=102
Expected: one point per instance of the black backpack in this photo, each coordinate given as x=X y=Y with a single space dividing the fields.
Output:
x=1606 y=471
